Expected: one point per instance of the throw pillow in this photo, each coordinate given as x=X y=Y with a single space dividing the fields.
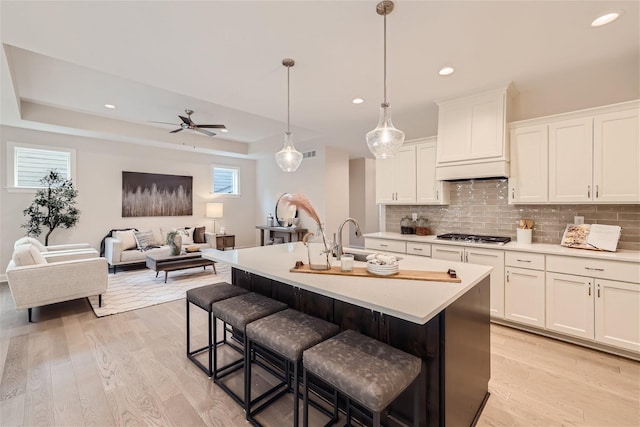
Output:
x=144 y=239
x=198 y=235
x=128 y=239
x=187 y=235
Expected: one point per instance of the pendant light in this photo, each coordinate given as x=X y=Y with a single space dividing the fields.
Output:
x=385 y=140
x=288 y=158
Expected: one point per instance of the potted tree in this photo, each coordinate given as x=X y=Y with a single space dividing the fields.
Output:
x=53 y=206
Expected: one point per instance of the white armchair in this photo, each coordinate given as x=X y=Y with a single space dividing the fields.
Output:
x=51 y=248
x=35 y=280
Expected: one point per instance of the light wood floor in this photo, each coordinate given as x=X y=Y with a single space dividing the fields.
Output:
x=71 y=368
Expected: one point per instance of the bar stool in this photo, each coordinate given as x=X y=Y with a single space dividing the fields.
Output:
x=238 y=312
x=285 y=334
x=203 y=297
x=364 y=370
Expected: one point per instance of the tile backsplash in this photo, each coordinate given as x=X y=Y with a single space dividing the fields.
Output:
x=481 y=207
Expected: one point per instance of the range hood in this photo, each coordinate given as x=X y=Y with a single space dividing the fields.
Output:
x=487 y=169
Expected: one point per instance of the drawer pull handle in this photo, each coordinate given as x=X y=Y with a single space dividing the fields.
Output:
x=383 y=246
x=594 y=269
x=445 y=250
x=523 y=260
x=417 y=249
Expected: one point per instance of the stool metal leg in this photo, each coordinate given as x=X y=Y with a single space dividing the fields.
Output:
x=305 y=399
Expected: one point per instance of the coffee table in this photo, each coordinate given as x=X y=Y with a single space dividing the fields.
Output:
x=167 y=263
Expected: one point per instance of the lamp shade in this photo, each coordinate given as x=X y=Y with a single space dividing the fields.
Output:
x=214 y=210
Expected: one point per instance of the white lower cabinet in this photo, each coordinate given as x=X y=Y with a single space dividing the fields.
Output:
x=524 y=296
x=617 y=314
x=385 y=245
x=481 y=256
x=595 y=308
x=570 y=304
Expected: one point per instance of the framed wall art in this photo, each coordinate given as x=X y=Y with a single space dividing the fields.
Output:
x=151 y=194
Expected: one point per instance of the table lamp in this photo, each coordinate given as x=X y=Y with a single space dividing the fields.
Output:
x=214 y=210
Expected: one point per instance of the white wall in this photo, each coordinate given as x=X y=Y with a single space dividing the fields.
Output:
x=324 y=179
x=362 y=198
x=99 y=181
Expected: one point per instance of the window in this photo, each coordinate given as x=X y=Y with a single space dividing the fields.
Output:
x=225 y=180
x=31 y=163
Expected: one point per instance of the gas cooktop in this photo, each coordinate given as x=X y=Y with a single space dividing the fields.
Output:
x=474 y=238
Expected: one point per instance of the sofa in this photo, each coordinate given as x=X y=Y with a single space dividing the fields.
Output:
x=36 y=281
x=128 y=247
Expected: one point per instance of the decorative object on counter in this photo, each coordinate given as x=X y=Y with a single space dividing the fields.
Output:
x=346 y=262
x=214 y=210
x=598 y=237
x=525 y=231
x=385 y=140
x=382 y=265
x=269 y=220
x=318 y=248
x=288 y=159
x=421 y=227
x=407 y=226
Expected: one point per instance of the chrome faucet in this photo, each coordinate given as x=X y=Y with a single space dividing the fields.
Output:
x=339 y=251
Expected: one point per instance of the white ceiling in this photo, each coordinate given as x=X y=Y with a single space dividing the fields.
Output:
x=63 y=61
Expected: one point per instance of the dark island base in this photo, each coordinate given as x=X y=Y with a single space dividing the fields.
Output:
x=454 y=347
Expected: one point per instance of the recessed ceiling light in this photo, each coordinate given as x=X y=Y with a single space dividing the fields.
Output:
x=357 y=100
x=224 y=130
x=111 y=106
x=605 y=19
x=445 y=71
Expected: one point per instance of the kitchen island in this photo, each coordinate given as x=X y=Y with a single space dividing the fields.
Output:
x=445 y=324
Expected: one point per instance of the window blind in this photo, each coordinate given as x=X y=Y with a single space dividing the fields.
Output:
x=225 y=181
x=32 y=164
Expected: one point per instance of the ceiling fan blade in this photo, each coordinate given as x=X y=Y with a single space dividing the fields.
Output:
x=212 y=126
x=162 y=123
x=186 y=121
x=206 y=132
x=177 y=130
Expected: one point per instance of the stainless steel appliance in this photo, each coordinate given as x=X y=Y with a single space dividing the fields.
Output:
x=474 y=238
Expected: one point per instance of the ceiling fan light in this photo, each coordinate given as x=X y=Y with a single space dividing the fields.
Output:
x=288 y=159
x=385 y=140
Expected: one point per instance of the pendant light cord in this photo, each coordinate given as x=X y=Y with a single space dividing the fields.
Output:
x=288 y=99
x=385 y=58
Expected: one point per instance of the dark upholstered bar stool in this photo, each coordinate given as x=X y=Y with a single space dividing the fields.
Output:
x=286 y=334
x=203 y=297
x=364 y=370
x=238 y=312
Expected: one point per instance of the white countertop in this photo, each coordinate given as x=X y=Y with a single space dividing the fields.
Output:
x=541 y=248
x=416 y=301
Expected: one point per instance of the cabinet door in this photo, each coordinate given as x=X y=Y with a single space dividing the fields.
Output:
x=494 y=259
x=618 y=314
x=616 y=157
x=487 y=118
x=405 y=175
x=448 y=253
x=453 y=132
x=524 y=296
x=428 y=189
x=571 y=160
x=385 y=181
x=529 y=165
x=569 y=304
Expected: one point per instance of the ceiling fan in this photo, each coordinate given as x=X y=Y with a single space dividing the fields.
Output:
x=187 y=123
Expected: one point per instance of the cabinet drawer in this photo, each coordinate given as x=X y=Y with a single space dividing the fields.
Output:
x=598 y=268
x=385 y=245
x=422 y=249
x=524 y=260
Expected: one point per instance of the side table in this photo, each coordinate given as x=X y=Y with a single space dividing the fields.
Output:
x=287 y=231
x=224 y=241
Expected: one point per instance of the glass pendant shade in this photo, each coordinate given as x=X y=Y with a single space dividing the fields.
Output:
x=288 y=159
x=384 y=141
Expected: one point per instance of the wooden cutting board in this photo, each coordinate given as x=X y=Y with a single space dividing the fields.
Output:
x=433 y=276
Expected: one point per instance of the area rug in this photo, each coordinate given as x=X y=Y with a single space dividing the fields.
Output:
x=131 y=290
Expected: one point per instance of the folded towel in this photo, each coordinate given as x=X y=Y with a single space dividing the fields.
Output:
x=382 y=259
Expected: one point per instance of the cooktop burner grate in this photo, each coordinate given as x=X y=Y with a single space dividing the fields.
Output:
x=474 y=238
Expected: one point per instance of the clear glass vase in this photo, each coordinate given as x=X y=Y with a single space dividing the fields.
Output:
x=319 y=250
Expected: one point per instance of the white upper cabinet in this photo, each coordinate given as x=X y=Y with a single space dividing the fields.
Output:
x=409 y=177
x=616 y=155
x=396 y=177
x=590 y=156
x=471 y=131
x=570 y=160
x=429 y=191
x=529 y=165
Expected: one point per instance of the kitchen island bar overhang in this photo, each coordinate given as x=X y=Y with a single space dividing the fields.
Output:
x=445 y=324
